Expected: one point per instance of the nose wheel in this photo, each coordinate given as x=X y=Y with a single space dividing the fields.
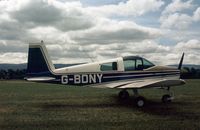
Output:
x=167 y=98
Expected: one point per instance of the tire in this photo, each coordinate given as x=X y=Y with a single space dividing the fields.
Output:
x=123 y=95
x=166 y=98
x=140 y=101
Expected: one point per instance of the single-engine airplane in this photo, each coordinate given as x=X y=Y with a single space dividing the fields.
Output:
x=123 y=73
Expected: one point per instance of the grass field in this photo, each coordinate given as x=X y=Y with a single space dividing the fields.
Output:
x=26 y=105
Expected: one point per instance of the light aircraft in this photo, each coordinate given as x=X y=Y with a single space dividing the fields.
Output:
x=123 y=73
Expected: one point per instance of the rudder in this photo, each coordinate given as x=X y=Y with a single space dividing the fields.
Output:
x=38 y=60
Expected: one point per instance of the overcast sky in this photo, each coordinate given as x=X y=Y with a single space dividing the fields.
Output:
x=159 y=30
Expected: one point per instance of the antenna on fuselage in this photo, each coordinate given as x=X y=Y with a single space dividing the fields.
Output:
x=87 y=55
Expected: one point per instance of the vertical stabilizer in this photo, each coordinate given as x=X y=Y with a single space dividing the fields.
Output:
x=38 y=60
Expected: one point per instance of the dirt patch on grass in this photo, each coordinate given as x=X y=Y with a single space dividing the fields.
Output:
x=5 y=109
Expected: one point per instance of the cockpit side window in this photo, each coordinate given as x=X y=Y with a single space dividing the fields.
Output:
x=136 y=63
x=139 y=65
x=129 y=65
x=111 y=66
x=147 y=64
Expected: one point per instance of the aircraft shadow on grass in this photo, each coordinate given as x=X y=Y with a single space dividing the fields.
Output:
x=173 y=109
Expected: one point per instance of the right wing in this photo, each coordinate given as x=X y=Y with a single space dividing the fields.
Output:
x=147 y=83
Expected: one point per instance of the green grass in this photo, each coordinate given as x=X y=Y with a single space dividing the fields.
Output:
x=26 y=105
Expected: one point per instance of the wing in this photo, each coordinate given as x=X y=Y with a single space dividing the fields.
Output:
x=147 y=83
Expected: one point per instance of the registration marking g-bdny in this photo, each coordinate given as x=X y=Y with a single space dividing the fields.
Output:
x=82 y=79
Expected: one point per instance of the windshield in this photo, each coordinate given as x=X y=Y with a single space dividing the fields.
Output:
x=147 y=64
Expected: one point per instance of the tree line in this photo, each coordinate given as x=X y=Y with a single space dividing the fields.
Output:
x=186 y=73
x=190 y=73
x=12 y=74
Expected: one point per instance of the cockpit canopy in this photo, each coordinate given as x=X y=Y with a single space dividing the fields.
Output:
x=132 y=63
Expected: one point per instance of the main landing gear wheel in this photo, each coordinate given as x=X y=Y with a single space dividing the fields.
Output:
x=123 y=95
x=140 y=101
x=166 y=98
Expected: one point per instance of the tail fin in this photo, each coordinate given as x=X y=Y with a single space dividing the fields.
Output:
x=39 y=62
x=181 y=62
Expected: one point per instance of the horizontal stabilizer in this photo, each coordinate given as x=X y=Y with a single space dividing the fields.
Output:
x=41 y=79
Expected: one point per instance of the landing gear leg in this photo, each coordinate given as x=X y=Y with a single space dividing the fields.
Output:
x=139 y=100
x=123 y=95
x=167 y=97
